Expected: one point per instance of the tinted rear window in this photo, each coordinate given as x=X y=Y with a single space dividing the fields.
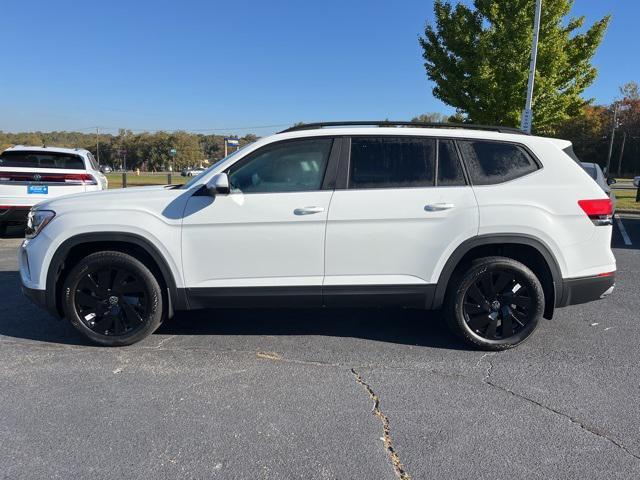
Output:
x=392 y=162
x=494 y=162
x=26 y=159
x=449 y=168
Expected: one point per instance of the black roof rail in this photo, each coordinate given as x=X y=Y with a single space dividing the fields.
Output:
x=388 y=123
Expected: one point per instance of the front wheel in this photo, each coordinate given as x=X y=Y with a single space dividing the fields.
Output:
x=113 y=299
x=495 y=304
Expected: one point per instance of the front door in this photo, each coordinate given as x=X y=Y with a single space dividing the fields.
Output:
x=265 y=240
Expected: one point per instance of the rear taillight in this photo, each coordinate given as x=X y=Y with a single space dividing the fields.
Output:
x=600 y=211
x=80 y=179
x=66 y=178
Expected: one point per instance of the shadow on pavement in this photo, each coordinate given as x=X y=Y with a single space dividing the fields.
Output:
x=21 y=319
x=410 y=327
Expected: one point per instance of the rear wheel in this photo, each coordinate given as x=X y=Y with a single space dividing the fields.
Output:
x=3 y=229
x=495 y=304
x=113 y=299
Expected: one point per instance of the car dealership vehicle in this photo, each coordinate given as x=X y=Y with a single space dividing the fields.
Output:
x=29 y=175
x=595 y=172
x=496 y=227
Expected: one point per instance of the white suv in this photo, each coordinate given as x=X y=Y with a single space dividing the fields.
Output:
x=497 y=227
x=29 y=175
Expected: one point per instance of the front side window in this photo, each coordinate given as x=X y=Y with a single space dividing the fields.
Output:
x=392 y=162
x=292 y=166
x=494 y=162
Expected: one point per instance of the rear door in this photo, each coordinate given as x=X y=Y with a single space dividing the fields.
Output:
x=403 y=207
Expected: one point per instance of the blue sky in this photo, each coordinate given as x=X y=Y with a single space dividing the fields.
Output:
x=207 y=65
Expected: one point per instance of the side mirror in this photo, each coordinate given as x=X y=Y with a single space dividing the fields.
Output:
x=611 y=181
x=218 y=185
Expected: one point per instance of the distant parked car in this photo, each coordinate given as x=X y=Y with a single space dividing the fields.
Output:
x=106 y=169
x=595 y=172
x=195 y=171
x=29 y=175
x=636 y=182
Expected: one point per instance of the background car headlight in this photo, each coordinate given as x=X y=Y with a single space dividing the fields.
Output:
x=37 y=220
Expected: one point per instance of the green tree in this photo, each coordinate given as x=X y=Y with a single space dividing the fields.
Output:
x=433 y=117
x=478 y=58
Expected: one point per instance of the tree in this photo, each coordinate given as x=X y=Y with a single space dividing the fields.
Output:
x=432 y=117
x=588 y=131
x=478 y=58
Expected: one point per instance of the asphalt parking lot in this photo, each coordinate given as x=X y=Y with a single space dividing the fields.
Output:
x=323 y=394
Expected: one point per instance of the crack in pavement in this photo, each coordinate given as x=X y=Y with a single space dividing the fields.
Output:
x=399 y=469
x=487 y=380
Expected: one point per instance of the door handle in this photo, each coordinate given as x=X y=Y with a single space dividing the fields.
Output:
x=308 y=210
x=438 y=207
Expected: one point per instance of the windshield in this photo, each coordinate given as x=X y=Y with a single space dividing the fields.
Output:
x=197 y=178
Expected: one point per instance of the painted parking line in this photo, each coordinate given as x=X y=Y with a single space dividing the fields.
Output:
x=623 y=231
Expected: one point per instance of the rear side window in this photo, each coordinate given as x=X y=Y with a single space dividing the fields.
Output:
x=449 y=169
x=93 y=161
x=27 y=159
x=392 y=162
x=494 y=162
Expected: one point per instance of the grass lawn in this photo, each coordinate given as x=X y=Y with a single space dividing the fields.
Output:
x=133 y=180
x=626 y=200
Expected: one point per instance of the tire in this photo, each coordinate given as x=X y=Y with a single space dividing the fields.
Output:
x=3 y=229
x=495 y=304
x=113 y=299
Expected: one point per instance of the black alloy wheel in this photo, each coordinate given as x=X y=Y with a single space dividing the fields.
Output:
x=111 y=301
x=497 y=305
x=494 y=303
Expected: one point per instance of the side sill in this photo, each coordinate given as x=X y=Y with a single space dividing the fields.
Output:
x=408 y=296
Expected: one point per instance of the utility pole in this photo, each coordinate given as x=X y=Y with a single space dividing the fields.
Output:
x=527 y=113
x=624 y=139
x=97 y=147
x=613 y=134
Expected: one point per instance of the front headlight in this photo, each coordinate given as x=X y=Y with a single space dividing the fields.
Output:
x=37 y=220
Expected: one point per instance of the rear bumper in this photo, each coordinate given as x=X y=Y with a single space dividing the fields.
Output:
x=586 y=289
x=17 y=214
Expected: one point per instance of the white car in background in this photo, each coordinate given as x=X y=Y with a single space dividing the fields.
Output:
x=595 y=172
x=29 y=175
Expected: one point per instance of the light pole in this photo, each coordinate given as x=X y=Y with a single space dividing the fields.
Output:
x=613 y=134
x=527 y=113
x=172 y=154
x=97 y=146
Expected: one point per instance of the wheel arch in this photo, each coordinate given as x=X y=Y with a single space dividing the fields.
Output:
x=131 y=243
x=544 y=264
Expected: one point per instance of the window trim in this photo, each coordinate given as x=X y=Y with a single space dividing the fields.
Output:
x=329 y=171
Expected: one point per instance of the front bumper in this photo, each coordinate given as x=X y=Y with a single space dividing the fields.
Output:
x=39 y=297
x=586 y=289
